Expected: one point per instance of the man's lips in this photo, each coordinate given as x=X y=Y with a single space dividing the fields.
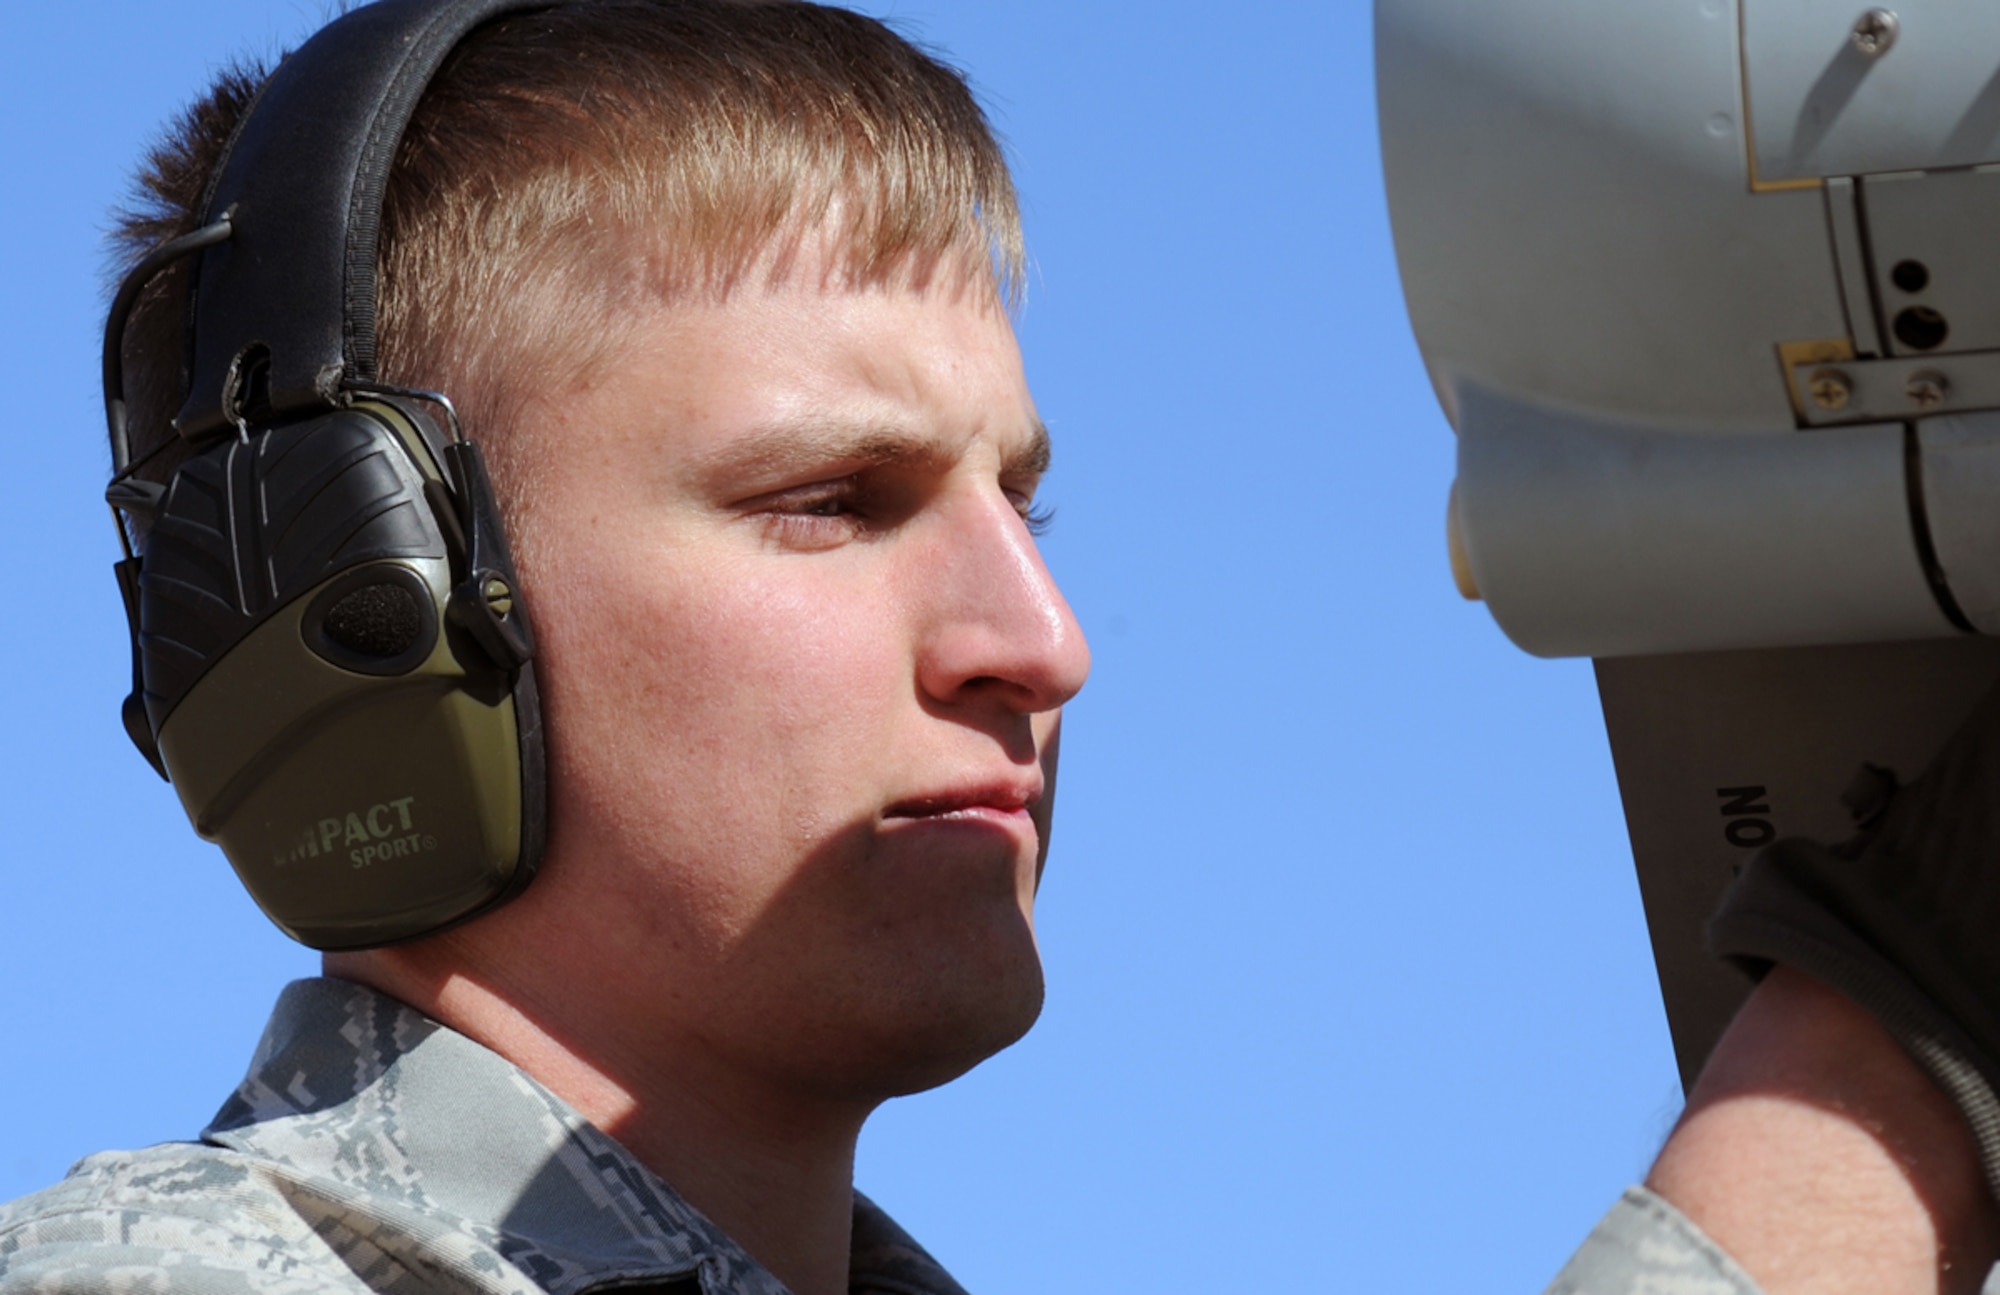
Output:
x=995 y=802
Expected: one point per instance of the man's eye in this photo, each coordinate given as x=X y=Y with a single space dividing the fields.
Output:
x=1039 y=517
x=814 y=516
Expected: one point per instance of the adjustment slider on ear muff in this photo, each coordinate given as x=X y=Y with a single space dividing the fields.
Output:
x=485 y=603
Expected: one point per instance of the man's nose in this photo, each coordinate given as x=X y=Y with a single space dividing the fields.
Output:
x=997 y=629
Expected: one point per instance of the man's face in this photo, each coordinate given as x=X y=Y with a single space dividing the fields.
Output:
x=802 y=665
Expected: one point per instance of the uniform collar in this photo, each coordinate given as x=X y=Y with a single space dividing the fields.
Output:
x=359 y=1098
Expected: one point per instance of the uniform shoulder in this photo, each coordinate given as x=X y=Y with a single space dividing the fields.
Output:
x=174 y=1217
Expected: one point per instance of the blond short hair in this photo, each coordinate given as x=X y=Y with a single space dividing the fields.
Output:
x=569 y=165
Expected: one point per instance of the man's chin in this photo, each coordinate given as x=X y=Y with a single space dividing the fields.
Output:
x=932 y=1038
x=973 y=1042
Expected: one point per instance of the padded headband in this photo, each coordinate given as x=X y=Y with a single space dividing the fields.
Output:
x=302 y=182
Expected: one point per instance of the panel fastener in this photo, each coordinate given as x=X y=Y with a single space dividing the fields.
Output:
x=1829 y=388
x=1927 y=388
x=1875 y=31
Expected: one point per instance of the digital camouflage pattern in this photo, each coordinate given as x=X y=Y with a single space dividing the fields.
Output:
x=372 y=1149
x=1645 y=1246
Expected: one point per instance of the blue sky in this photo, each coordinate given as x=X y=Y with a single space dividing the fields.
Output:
x=1349 y=983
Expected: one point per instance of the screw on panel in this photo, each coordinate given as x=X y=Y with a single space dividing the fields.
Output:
x=1829 y=388
x=1927 y=388
x=1874 y=32
x=499 y=597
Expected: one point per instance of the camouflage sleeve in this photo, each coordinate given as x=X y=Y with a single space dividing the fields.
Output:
x=179 y=1219
x=1645 y=1246
x=158 y=1223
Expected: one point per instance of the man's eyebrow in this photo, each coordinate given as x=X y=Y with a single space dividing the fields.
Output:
x=775 y=451
x=1031 y=458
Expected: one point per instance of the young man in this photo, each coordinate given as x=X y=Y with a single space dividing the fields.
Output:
x=722 y=288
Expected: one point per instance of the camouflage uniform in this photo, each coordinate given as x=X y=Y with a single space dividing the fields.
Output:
x=372 y=1149
x=1645 y=1246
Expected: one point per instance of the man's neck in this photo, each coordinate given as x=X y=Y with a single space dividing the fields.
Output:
x=772 y=1171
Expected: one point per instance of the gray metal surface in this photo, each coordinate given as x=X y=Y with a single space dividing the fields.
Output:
x=1573 y=222
x=1961 y=472
x=1605 y=304
x=1589 y=538
x=1850 y=248
x=1819 y=106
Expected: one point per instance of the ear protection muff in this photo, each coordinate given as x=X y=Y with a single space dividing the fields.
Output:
x=332 y=659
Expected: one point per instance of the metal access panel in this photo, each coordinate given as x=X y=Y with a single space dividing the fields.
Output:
x=1828 y=98
x=1932 y=241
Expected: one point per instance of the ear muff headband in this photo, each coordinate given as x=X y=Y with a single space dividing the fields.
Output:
x=332 y=659
x=303 y=181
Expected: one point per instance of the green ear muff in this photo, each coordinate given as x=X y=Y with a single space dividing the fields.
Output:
x=368 y=763
x=332 y=657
